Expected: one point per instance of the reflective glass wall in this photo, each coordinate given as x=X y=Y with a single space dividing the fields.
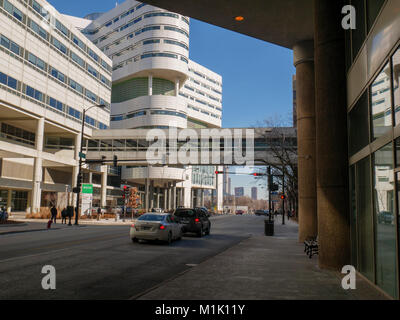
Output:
x=374 y=158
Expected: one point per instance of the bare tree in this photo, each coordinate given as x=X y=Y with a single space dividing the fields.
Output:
x=281 y=140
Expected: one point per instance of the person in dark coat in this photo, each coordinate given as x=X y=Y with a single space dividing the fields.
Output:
x=64 y=214
x=53 y=213
x=98 y=213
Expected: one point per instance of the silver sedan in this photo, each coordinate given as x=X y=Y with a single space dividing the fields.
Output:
x=156 y=226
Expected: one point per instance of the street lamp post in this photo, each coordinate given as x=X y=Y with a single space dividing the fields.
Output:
x=79 y=179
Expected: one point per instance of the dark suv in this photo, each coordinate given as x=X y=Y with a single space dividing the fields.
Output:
x=193 y=221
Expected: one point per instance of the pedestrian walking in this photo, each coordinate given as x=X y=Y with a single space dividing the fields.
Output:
x=64 y=214
x=3 y=214
x=53 y=213
x=288 y=215
x=98 y=213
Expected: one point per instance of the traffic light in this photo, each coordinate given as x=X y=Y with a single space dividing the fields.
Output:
x=274 y=187
x=219 y=172
x=79 y=182
x=283 y=197
x=258 y=174
x=115 y=161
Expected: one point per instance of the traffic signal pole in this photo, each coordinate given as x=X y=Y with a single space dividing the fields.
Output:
x=269 y=193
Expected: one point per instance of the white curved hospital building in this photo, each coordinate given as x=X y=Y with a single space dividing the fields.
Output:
x=156 y=85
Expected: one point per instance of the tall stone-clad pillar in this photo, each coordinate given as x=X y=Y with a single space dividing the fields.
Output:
x=103 y=195
x=331 y=135
x=151 y=203
x=158 y=197
x=147 y=193
x=37 y=168
x=169 y=196
x=174 y=196
x=303 y=54
x=165 y=197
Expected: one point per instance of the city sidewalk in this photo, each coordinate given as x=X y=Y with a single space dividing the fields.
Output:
x=32 y=225
x=262 y=268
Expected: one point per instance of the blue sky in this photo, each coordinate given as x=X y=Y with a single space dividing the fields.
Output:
x=257 y=76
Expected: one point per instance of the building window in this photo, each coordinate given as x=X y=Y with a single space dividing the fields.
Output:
x=396 y=83
x=386 y=266
x=62 y=28
x=7 y=43
x=39 y=30
x=78 y=59
x=74 y=85
x=55 y=104
x=57 y=74
x=91 y=95
x=93 y=55
x=13 y=10
x=381 y=109
x=74 y=113
x=59 y=45
x=33 y=93
x=18 y=134
x=358 y=125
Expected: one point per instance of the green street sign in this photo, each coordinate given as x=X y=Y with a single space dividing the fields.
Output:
x=87 y=188
x=82 y=155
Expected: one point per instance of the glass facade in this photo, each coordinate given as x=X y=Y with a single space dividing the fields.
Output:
x=375 y=177
x=384 y=212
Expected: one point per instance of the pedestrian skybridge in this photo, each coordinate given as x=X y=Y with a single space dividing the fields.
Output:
x=217 y=146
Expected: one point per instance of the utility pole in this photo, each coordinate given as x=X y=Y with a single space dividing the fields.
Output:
x=269 y=193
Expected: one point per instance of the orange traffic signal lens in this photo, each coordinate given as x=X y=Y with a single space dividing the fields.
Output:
x=239 y=18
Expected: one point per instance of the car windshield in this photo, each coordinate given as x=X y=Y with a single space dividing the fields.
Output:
x=185 y=213
x=151 y=217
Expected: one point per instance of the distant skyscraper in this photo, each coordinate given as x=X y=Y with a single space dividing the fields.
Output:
x=239 y=192
x=254 y=193
x=229 y=186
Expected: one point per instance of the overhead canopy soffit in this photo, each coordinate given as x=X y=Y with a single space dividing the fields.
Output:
x=282 y=22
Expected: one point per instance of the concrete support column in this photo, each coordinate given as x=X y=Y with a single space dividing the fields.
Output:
x=169 y=196
x=151 y=204
x=37 y=168
x=176 y=87
x=198 y=198
x=150 y=85
x=331 y=136
x=165 y=198
x=303 y=54
x=174 y=196
x=202 y=198
x=182 y=197
x=75 y=169
x=9 y=202
x=158 y=197
x=147 y=194
x=103 y=198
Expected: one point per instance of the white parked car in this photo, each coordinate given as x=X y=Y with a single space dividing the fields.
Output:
x=156 y=226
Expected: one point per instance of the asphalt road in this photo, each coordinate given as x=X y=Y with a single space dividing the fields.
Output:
x=101 y=262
